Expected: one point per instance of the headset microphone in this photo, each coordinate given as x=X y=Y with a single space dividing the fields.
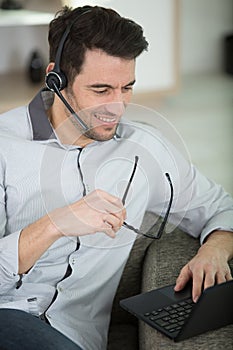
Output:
x=56 y=80
x=68 y=106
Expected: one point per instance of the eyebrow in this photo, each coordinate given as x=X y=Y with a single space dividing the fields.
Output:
x=103 y=85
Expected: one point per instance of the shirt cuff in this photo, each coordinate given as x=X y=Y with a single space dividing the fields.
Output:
x=221 y=222
x=9 y=261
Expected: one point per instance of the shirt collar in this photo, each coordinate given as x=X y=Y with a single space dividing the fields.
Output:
x=41 y=127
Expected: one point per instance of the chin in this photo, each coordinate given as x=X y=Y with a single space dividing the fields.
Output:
x=100 y=136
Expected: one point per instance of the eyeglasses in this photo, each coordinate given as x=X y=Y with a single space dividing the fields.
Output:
x=152 y=232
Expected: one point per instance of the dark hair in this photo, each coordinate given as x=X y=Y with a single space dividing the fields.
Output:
x=93 y=27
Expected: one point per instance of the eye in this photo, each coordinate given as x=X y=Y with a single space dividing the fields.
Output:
x=100 y=92
x=128 y=88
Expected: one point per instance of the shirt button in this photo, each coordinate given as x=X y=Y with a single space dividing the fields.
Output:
x=60 y=289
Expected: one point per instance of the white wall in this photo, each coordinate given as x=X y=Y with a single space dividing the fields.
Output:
x=156 y=69
x=202 y=28
x=18 y=42
x=203 y=23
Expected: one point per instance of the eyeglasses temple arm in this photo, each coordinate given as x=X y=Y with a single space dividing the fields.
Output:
x=163 y=224
x=130 y=180
x=130 y=227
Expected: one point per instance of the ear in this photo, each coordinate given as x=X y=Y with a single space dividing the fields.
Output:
x=50 y=67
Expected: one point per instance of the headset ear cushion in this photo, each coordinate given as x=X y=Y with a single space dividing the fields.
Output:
x=55 y=78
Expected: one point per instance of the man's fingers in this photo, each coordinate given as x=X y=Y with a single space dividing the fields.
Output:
x=208 y=280
x=223 y=276
x=183 y=278
x=114 y=221
x=105 y=204
x=108 y=229
x=228 y=276
x=220 y=278
x=102 y=201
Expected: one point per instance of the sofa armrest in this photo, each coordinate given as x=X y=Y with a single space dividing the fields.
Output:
x=162 y=264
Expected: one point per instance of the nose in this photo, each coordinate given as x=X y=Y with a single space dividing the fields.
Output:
x=115 y=108
x=117 y=103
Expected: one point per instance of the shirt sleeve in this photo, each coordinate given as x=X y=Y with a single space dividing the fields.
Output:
x=9 y=262
x=8 y=247
x=210 y=208
x=200 y=206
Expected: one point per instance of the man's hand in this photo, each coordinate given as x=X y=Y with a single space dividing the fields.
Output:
x=98 y=211
x=210 y=265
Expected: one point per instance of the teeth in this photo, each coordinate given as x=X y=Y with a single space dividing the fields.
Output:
x=106 y=120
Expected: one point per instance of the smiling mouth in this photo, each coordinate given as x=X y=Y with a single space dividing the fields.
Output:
x=106 y=119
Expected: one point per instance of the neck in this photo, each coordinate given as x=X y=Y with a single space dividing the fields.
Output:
x=66 y=127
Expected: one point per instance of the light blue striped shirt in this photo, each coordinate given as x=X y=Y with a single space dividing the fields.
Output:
x=39 y=174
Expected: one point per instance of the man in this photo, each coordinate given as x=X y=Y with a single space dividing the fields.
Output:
x=66 y=210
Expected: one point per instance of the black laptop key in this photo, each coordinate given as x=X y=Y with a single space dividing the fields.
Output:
x=161 y=323
x=171 y=317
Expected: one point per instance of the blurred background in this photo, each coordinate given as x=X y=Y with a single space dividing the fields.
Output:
x=186 y=76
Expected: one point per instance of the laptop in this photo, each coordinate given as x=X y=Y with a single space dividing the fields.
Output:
x=176 y=316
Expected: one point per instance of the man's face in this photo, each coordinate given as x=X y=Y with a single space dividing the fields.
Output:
x=101 y=92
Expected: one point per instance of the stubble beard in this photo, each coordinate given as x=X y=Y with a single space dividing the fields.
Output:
x=105 y=136
x=91 y=133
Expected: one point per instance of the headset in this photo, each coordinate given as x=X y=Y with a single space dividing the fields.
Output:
x=56 y=80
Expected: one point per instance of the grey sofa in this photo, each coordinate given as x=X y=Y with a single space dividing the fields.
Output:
x=154 y=264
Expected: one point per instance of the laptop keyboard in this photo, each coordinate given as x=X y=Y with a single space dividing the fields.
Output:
x=171 y=317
